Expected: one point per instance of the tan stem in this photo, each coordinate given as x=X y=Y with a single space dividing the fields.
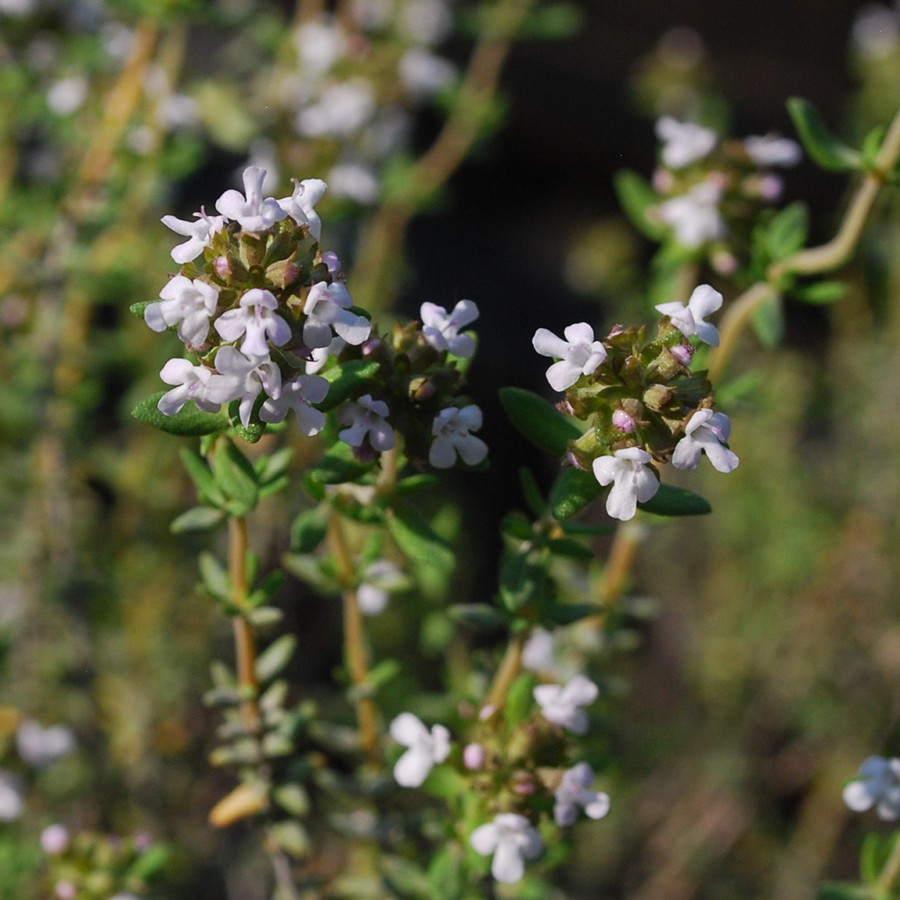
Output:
x=510 y=669
x=244 y=636
x=622 y=554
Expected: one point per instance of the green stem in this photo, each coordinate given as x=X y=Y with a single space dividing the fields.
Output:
x=510 y=669
x=889 y=878
x=244 y=636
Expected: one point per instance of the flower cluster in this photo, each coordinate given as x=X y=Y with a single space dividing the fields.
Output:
x=711 y=191
x=878 y=785
x=264 y=311
x=642 y=404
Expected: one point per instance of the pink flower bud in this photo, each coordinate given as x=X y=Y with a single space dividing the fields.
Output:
x=55 y=839
x=624 y=421
x=65 y=890
x=683 y=353
x=474 y=756
x=222 y=267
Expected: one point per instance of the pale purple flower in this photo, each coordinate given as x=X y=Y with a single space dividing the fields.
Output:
x=423 y=74
x=684 y=142
x=254 y=318
x=474 y=757
x=255 y=374
x=320 y=355
x=441 y=329
x=451 y=429
x=327 y=310
x=300 y=206
x=12 y=797
x=562 y=704
x=184 y=301
x=695 y=216
x=689 y=319
x=55 y=839
x=342 y=109
x=706 y=432
x=772 y=150
x=379 y=579
x=511 y=839
x=201 y=384
x=355 y=180
x=367 y=418
x=579 y=354
x=632 y=478
x=538 y=654
x=42 y=746
x=624 y=421
x=878 y=785
x=198 y=234
x=574 y=793
x=298 y=394
x=426 y=748
x=252 y=212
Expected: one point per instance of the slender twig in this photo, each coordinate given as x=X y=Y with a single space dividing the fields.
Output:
x=244 y=636
x=510 y=669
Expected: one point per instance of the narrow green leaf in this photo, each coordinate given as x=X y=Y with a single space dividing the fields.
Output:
x=270 y=468
x=824 y=148
x=293 y=798
x=275 y=657
x=532 y=493
x=637 y=199
x=516 y=526
x=264 y=593
x=235 y=475
x=571 y=549
x=554 y=22
x=417 y=539
x=585 y=528
x=768 y=322
x=820 y=292
x=676 y=501
x=567 y=613
x=188 y=422
x=202 y=477
x=786 y=233
x=338 y=466
x=214 y=578
x=311 y=570
x=309 y=529
x=572 y=491
x=538 y=420
x=200 y=518
x=139 y=307
x=345 y=379
x=477 y=615
x=520 y=698
x=414 y=483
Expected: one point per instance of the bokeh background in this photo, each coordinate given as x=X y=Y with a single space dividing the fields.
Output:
x=770 y=665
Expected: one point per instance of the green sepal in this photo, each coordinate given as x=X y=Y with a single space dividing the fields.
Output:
x=187 y=422
x=538 y=420
x=676 y=501
x=200 y=518
x=275 y=657
x=520 y=699
x=482 y=616
x=237 y=478
x=572 y=491
x=252 y=431
x=139 y=307
x=417 y=540
x=345 y=379
x=203 y=478
x=823 y=146
x=637 y=198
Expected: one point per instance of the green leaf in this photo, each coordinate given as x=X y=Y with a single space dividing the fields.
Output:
x=264 y=593
x=567 y=613
x=275 y=657
x=345 y=379
x=572 y=491
x=405 y=879
x=637 y=198
x=293 y=798
x=202 y=477
x=836 y=890
x=786 y=233
x=214 y=578
x=291 y=836
x=188 y=422
x=571 y=549
x=447 y=874
x=532 y=493
x=586 y=528
x=516 y=526
x=152 y=862
x=236 y=477
x=820 y=292
x=538 y=420
x=414 y=483
x=676 y=501
x=271 y=468
x=824 y=148
x=200 y=518
x=477 y=615
x=417 y=539
x=311 y=570
x=336 y=467
x=520 y=699
x=522 y=581
x=309 y=529
x=768 y=322
x=555 y=22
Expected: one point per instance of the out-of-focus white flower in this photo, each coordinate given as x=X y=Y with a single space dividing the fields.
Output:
x=689 y=318
x=327 y=307
x=342 y=110
x=12 y=797
x=320 y=45
x=426 y=748
x=878 y=785
x=706 y=432
x=562 y=704
x=251 y=210
x=18 y=8
x=55 y=839
x=537 y=654
x=354 y=180
x=773 y=150
x=441 y=329
x=190 y=303
x=512 y=839
x=199 y=234
x=695 y=216
x=367 y=418
x=379 y=579
x=451 y=429
x=633 y=480
x=298 y=394
x=300 y=206
x=67 y=94
x=208 y=389
x=684 y=142
x=579 y=354
x=255 y=320
x=426 y=21
x=40 y=746
x=574 y=793
x=424 y=74
x=876 y=30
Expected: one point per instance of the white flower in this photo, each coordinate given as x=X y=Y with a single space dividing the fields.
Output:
x=511 y=839
x=423 y=73
x=579 y=354
x=198 y=233
x=562 y=704
x=40 y=746
x=706 y=432
x=695 y=215
x=574 y=792
x=252 y=212
x=298 y=394
x=633 y=480
x=689 y=319
x=327 y=307
x=378 y=580
x=364 y=418
x=255 y=374
x=67 y=94
x=538 y=653
x=451 y=429
x=441 y=329
x=684 y=142
x=772 y=150
x=201 y=384
x=354 y=180
x=320 y=44
x=343 y=109
x=300 y=206
x=879 y=783
x=255 y=320
x=426 y=748
x=189 y=302
x=320 y=355
x=12 y=797
x=426 y=21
